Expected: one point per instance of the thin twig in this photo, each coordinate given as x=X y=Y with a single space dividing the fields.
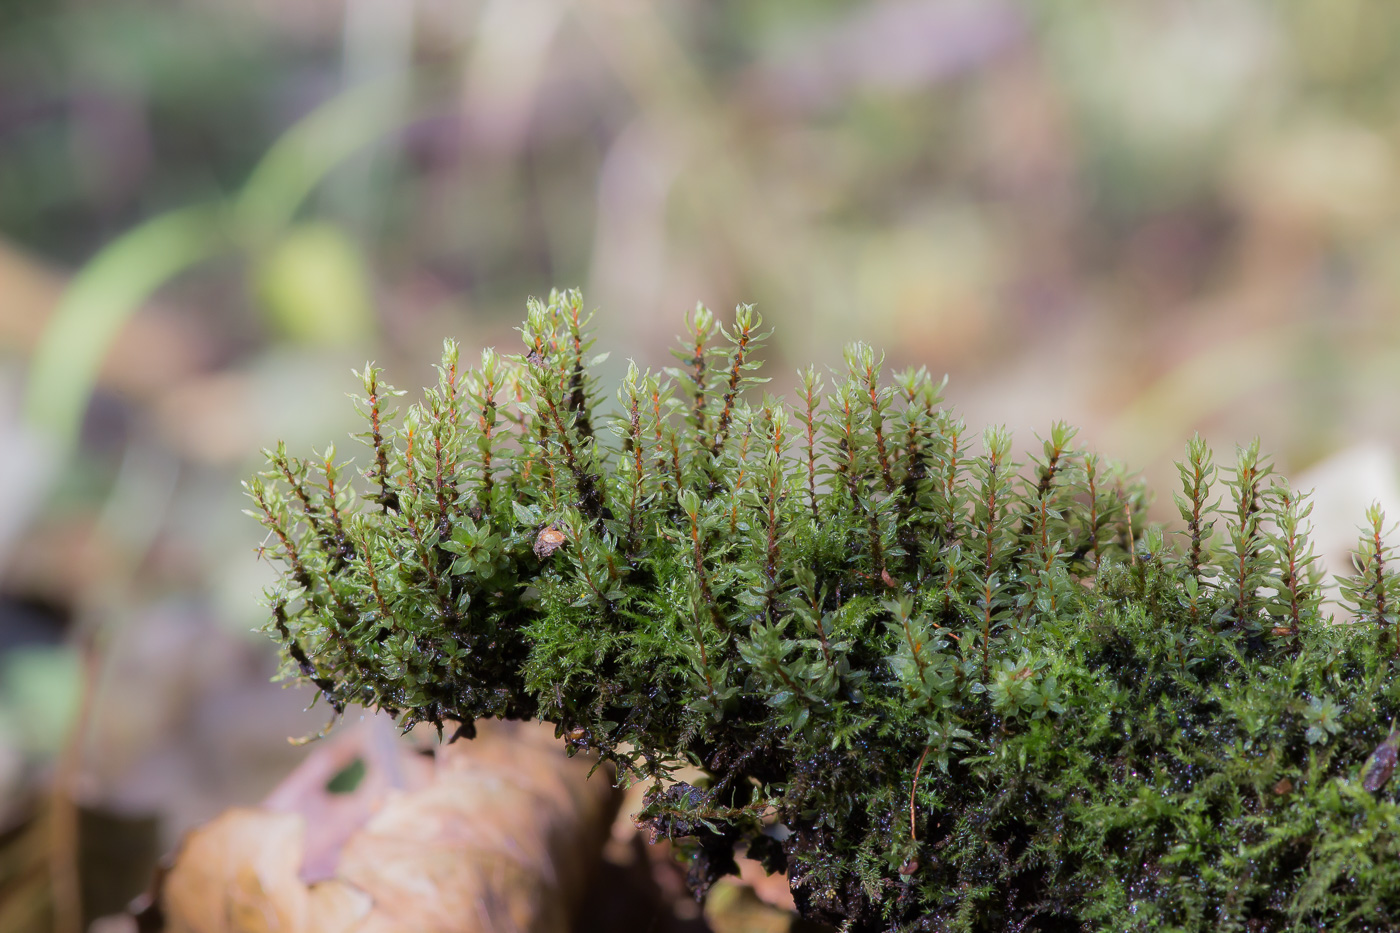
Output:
x=913 y=789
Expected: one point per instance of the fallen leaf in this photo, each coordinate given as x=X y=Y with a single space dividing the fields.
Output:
x=499 y=833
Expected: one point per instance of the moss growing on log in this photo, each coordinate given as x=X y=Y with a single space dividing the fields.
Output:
x=939 y=689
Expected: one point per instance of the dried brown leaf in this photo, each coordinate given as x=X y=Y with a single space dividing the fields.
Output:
x=500 y=835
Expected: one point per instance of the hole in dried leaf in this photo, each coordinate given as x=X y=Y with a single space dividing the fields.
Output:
x=347 y=778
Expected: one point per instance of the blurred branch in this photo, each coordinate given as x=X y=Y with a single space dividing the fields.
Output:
x=63 y=816
x=377 y=52
x=733 y=204
x=504 y=69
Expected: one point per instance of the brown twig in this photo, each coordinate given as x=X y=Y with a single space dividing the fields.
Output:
x=913 y=789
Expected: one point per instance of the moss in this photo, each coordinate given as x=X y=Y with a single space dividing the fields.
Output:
x=941 y=690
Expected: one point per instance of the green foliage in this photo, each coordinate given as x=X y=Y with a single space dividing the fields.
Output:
x=940 y=691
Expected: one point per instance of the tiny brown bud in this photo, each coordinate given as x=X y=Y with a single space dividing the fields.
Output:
x=1283 y=787
x=887 y=579
x=550 y=540
x=909 y=867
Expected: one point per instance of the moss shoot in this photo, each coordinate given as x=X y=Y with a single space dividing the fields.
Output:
x=940 y=689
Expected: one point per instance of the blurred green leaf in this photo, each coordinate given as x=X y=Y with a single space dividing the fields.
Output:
x=40 y=688
x=314 y=287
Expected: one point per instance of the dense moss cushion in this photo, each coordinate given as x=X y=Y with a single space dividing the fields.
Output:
x=940 y=689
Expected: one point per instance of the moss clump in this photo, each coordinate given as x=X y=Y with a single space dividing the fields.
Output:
x=938 y=689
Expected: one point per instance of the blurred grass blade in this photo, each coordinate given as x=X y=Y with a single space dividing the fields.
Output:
x=102 y=296
x=126 y=272
x=306 y=153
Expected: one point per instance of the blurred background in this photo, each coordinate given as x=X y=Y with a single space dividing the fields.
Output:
x=1148 y=219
